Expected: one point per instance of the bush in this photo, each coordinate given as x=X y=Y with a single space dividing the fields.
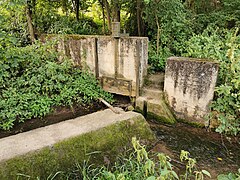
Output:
x=158 y=61
x=168 y=29
x=223 y=46
x=33 y=81
x=230 y=176
x=68 y=25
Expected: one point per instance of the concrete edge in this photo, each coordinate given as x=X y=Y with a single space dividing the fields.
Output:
x=103 y=131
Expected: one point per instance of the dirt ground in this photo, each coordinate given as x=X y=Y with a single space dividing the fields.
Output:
x=63 y=113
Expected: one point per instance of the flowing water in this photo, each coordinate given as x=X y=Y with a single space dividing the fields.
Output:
x=213 y=152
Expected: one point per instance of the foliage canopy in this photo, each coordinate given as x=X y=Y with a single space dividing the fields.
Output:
x=195 y=28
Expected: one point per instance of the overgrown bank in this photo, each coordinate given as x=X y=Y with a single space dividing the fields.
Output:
x=33 y=82
x=195 y=28
x=139 y=163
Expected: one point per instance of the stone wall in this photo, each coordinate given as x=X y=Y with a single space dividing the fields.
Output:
x=189 y=87
x=120 y=63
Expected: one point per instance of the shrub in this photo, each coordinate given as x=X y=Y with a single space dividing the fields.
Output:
x=33 y=81
x=229 y=176
x=223 y=46
x=168 y=29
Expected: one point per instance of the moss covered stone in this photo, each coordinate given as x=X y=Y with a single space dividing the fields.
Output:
x=155 y=109
x=95 y=145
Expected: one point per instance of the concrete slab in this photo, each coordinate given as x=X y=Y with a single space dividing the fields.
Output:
x=37 y=139
x=95 y=137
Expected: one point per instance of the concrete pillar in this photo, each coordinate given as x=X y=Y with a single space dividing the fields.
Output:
x=189 y=87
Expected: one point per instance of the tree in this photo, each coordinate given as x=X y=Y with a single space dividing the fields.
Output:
x=139 y=17
x=108 y=11
x=29 y=7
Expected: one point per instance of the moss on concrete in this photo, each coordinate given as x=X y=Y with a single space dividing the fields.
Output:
x=161 y=119
x=191 y=123
x=157 y=110
x=108 y=142
x=155 y=117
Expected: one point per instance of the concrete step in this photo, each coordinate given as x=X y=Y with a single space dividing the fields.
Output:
x=155 y=108
x=151 y=102
x=155 y=81
x=152 y=93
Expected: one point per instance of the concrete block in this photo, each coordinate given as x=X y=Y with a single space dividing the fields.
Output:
x=50 y=149
x=189 y=86
x=155 y=108
x=122 y=58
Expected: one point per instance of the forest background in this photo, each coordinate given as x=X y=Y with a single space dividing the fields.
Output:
x=190 y=28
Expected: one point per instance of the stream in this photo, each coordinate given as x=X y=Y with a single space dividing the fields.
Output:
x=213 y=152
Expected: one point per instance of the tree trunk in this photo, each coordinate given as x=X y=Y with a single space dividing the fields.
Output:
x=77 y=3
x=103 y=14
x=139 y=20
x=29 y=22
x=116 y=11
x=158 y=33
x=106 y=4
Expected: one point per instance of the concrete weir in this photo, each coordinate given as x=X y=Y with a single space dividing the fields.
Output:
x=53 y=148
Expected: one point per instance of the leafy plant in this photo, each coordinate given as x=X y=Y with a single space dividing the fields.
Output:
x=191 y=166
x=229 y=176
x=33 y=82
x=158 y=61
x=168 y=29
x=223 y=46
x=138 y=165
x=227 y=104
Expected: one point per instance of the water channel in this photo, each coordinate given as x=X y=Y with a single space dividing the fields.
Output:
x=213 y=152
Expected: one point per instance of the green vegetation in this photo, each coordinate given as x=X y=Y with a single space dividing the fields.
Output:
x=137 y=165
x=33 y=82
x=194 y=28
x=230 y=176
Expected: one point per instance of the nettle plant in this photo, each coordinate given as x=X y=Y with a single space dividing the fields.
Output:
x=33 y=81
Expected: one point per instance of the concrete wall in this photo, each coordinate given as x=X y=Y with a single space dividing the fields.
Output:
x=189 y=87
x=58 y=147
x=120 y=63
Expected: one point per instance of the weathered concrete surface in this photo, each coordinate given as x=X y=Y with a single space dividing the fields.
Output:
x=155 y=81
x=152 y=102
x=56 y=147
x=155 y=107
x=47 y=136
x=123 y=58
x=189 y=85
